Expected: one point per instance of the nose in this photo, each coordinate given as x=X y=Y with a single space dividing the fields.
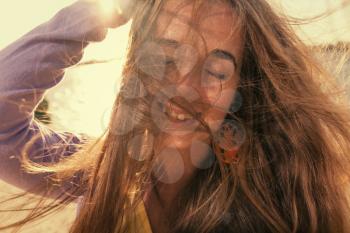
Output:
x=194 y=81
x=190 y=87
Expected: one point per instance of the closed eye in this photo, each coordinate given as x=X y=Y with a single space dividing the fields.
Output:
x=169 y=61
x=216 y=75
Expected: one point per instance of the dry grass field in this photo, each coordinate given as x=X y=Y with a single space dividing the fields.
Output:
x=58 y=223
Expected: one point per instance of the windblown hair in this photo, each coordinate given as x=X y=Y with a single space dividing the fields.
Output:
x=293 y=168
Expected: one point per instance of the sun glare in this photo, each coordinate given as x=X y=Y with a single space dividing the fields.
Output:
x=82 y=101
x=108 y=6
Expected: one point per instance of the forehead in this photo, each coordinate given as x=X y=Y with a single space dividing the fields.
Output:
x=214 y=25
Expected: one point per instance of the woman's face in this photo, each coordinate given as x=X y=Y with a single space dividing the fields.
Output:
x=202 y=59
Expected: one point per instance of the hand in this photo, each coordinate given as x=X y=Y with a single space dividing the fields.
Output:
x=122 y=13
x=115 y=12
x=125 y=7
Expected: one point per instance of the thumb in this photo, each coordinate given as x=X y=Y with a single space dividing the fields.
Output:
x=125 y=7
x=114 y=13
x=122 y=12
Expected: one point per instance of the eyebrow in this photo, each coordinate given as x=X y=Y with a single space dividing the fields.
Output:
x=219 y=53
x=222 y=54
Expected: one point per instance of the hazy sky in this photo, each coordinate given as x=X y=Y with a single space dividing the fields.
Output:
x=19 y=16
x=330 y=29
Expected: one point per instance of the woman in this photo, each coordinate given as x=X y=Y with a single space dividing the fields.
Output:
x=224 y=123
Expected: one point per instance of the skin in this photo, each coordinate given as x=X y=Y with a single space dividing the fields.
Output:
x=173 y=32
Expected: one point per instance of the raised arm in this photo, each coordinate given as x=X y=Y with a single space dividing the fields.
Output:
x=30 y=66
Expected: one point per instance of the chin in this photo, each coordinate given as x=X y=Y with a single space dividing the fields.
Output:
x=183 y=142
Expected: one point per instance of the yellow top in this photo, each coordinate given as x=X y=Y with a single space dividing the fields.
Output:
x=140 y=222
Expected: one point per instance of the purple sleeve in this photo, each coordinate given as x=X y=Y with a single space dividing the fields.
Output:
x=30 y=66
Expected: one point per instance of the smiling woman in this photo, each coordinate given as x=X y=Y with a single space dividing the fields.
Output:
x=224 y=123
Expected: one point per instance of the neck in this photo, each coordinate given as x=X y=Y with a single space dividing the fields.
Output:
x=167 y=193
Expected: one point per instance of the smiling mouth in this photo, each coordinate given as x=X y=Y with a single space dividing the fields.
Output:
x=175 y=113
x=176 y=120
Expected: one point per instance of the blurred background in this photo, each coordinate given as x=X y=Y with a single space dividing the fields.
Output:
x=82 y=101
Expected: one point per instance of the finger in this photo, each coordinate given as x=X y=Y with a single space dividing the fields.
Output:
x=125 y=7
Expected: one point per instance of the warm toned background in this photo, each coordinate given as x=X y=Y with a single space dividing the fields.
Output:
x=82 y=85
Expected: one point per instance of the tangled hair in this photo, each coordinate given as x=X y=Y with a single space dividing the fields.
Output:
x=293 y=170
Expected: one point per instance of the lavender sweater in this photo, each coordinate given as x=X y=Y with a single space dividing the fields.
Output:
x=28 y=68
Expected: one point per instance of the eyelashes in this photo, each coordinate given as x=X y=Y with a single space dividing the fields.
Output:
x=170 y=62
x=216 y=75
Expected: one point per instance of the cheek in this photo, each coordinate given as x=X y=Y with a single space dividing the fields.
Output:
x=217 y=112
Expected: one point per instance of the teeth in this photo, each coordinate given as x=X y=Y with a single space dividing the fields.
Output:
x=180 y=116
x=173 y=114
